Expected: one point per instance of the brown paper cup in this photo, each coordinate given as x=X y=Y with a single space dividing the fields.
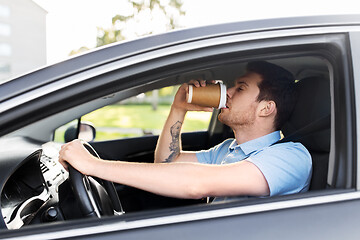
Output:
x=213 y=95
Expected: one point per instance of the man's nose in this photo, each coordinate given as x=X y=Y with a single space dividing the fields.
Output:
x=230 y=92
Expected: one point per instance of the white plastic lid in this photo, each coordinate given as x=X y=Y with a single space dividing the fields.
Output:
x=190 y=94
x=222 y=103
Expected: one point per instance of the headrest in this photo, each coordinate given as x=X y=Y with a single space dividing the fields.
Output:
x=313 y=103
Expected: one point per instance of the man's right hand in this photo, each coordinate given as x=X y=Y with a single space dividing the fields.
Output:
x=180 y=103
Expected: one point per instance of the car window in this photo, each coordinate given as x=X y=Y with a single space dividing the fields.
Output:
x=144 y=114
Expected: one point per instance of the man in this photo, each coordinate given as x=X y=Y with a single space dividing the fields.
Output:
x=249 y=165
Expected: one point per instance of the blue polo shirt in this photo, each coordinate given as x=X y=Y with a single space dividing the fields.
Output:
x=286 y=166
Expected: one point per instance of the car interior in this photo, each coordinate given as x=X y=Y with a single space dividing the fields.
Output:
x=311 y=123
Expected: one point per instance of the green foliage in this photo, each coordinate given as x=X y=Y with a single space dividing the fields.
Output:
x=141 y=117
x=170 y=10
x=80 y=50
x=106 y=36
x=124 y=121
x=168 y=91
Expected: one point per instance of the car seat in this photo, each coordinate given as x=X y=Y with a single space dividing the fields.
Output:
x=310 y=125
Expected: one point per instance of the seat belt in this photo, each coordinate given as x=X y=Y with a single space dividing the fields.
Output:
x=316 y=126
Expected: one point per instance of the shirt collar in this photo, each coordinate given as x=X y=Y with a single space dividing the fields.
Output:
x=258 y=143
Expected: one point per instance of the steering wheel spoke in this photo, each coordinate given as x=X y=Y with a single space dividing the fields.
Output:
x=95 y=199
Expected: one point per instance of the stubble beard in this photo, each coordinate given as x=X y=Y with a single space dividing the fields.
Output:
x=237 y=120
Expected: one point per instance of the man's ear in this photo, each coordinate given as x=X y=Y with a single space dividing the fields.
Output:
x=267 y=108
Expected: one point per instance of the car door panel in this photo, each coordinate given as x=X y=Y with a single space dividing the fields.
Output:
x=271 y=220
x=326 y=221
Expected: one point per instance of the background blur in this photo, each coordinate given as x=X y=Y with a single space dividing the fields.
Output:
x=35 y=33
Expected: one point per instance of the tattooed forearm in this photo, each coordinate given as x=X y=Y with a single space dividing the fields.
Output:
x=175 y=141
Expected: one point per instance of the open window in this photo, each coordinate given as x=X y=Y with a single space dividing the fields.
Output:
x=312 y=122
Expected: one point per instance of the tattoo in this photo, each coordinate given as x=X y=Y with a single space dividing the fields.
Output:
x=175 y=141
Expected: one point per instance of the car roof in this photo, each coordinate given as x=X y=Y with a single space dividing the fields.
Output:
x=113 y=52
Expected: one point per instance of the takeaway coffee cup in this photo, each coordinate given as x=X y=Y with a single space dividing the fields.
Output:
x=212 y=95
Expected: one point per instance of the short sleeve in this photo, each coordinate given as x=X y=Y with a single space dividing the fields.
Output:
x=215 y=154
x=286 y=167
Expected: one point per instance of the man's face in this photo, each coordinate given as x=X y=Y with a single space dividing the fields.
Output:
x=241 y=101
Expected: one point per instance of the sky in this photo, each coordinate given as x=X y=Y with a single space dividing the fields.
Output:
x=72 y=24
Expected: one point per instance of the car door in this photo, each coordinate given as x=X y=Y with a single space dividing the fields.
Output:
x=328 y=213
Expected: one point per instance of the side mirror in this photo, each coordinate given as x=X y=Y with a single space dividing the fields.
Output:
x=87 y=132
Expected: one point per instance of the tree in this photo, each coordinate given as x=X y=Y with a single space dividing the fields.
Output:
x=147 y=17
x=80 y=50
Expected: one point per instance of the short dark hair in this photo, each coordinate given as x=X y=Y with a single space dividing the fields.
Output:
x=278 y=85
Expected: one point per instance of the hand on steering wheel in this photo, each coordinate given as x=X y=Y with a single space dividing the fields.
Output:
x=95 y=199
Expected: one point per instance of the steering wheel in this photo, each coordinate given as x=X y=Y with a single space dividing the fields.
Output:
x=95 y=199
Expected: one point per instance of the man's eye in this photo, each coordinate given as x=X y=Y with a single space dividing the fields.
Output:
x=239 y=89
